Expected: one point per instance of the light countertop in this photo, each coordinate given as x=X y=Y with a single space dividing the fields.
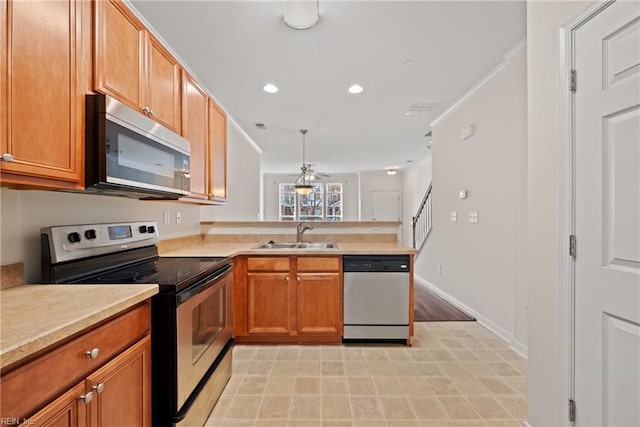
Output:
x=207 y=249
x=34 y=317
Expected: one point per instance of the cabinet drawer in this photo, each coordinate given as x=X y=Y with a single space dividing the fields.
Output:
x=318 y=264
x=51 y=374
x=268 y=264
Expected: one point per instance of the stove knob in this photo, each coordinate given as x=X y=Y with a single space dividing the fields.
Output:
x=143 y=229
x=90 y=234
x=74 y=237
x=151 y=229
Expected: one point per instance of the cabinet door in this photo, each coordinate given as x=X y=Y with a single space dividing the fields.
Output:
x=163 y=86
x=217 y=153
x=319 y=303
x=66 y=411
x=195 y=129
x=119 y=53
x=42 y=93
x=122 y=389
x=268 y=303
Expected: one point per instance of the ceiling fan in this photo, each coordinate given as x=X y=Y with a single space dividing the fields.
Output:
x=313 y=175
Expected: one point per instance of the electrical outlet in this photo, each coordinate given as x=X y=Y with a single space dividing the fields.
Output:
x=178 y=217
x=439 y=269
x=166 y=217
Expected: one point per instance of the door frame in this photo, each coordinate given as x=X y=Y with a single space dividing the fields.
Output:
x=566 y=206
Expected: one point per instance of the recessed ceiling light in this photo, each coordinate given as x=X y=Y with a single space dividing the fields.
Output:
x=270 y=88
x=355 y=89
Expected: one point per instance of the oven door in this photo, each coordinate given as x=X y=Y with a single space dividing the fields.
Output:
x=203 y=328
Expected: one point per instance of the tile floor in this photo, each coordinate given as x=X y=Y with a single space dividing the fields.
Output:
x=455 y=374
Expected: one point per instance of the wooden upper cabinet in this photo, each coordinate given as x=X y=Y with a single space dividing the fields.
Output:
x=132 y=66
x=217 y=153
x=120 y=48
x=42 y=93
x=195 y=130
x=163 y=88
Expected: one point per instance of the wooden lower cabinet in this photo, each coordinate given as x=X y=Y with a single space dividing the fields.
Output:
x=268 y=303
x=66 y=411
x=123 y=389
x=68 y=386
x=288 y=299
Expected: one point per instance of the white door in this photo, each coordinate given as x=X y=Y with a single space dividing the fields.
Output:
x=607 y=215
x=386 y=206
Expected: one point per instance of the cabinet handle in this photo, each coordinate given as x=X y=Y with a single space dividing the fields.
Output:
x=151 y=113
x=98 y=388
x=7 y=157
x=92 y=354
x=298 y=278
x=146 y=110
x=86 y=398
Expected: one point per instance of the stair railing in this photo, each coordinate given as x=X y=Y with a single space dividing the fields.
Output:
x=422 y=221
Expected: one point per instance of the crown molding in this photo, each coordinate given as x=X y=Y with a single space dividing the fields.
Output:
x=507 y=60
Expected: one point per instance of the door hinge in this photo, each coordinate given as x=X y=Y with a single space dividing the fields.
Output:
x=572 y=246
x=572 y=81
x=572 y=410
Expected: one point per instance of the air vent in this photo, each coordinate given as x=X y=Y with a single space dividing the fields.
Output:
x=260 y=126
x=421 y=109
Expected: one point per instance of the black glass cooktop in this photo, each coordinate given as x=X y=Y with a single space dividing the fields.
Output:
x=171 y=274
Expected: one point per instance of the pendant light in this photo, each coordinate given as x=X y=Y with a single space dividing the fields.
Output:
x=303 y=181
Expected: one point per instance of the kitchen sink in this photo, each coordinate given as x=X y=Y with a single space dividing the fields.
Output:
x=297 y=245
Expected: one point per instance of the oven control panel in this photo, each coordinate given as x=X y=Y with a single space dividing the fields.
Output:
x=71 y=242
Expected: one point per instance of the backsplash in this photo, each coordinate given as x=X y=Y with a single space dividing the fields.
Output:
x=25 y=212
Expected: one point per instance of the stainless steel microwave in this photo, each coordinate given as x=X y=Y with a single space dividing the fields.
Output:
x=128 y=154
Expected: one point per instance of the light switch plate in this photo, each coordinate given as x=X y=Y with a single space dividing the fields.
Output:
x=473 y=216
x=454 y=216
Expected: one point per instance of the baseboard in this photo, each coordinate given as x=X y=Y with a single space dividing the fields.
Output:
x=504 y=334
x=520 y=348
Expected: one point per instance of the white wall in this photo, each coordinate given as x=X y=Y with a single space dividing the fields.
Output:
x=25 y=212
x=243 y=180
x=349 y=188
x=371 y=181
x=478 y=260
x=415 y=181
x=544 y=20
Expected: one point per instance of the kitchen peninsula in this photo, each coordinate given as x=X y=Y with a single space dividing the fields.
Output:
x=291 y=295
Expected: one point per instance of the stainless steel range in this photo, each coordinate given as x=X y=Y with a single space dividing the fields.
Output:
x=191 y=316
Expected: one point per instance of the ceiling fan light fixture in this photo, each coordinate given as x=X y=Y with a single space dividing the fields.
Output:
x=303 y=181
x=300 y=14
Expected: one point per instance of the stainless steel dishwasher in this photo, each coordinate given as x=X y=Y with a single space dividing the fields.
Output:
x=376 y=297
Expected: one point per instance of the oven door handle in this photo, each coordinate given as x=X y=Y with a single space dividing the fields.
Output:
x=203 y=284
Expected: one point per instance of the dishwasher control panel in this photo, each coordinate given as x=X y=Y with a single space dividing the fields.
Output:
x=373 y=263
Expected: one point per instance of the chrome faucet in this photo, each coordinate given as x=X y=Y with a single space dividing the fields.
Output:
x=302 y=227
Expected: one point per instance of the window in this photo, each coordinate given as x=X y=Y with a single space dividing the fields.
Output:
x=323 y=203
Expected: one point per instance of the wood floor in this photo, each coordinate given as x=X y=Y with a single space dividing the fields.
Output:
x=429 y=307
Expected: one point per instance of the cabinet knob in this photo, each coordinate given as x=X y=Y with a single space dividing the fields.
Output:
x=146 y=110
x=92 y=354
x=86 y=398
x=7 y=157
x=151 y=113
x=286 y=278
x=298 y=278
x=98 y=388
